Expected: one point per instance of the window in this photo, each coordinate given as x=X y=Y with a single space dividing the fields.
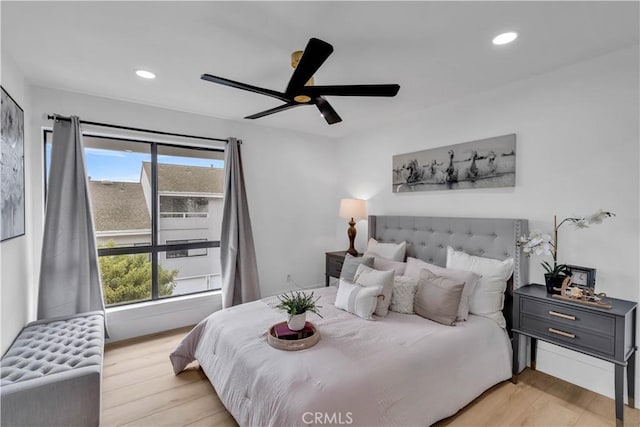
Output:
x=183 y=207
x=183 y=253
x=157 y=209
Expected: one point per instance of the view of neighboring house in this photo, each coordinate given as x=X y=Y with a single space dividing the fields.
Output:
x=190 y=210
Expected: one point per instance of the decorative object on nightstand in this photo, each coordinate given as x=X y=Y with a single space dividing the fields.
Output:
x=605 y=334
x=582 y=277
x=296 y=304
x=352 y=209
x=582 y=294
x=543 y=244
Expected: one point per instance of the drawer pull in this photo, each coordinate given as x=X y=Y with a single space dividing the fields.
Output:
x=340 y=262
x=564 y=334
x=564 y=316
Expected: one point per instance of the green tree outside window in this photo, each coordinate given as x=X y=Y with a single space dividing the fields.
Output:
x=127 y=278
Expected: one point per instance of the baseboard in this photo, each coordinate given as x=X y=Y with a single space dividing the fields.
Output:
x=585 y=371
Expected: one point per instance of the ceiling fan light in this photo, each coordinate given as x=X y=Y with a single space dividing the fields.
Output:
x=145 y=74
x=505 y=38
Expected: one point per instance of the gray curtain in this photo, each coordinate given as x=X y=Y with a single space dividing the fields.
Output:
x=237 y=252
x=69 y=275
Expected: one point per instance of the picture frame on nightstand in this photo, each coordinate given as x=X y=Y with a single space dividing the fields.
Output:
x=583 y=277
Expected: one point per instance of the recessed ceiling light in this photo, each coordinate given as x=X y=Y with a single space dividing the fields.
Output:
x=145 y=74
x=505 y=38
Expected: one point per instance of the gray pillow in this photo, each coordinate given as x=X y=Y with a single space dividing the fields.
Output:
x=351 y=264
x=438 y=298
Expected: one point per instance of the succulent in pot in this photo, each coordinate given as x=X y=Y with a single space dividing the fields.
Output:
x=296 y=304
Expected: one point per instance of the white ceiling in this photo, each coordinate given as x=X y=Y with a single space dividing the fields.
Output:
x=436 y=51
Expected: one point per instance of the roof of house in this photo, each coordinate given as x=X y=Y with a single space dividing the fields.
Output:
x=187 y=179
x=119 y=206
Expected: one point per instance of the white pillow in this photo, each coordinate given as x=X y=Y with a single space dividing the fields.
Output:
x=470 y=280
x=367 y=276
x=384 y=264
x=404 y=293
x=392 y=251
x=488 y=298
x=357 y=299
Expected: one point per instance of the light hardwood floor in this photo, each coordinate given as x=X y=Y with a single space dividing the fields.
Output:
x=139 y=389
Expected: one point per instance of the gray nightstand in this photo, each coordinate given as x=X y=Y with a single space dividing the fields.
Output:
x=608 y=334
x=333 y=267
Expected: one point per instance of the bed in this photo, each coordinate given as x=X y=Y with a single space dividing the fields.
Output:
x=400 y=370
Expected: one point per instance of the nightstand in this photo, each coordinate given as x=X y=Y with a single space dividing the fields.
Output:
x=333 y=267
x=608 y=334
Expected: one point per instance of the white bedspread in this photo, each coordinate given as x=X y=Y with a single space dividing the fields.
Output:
x=401 y=370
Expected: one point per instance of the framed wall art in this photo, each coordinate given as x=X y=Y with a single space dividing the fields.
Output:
x=12 y=196
x=484 y=163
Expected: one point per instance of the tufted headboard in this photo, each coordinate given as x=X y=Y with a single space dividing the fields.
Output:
x=428 y=237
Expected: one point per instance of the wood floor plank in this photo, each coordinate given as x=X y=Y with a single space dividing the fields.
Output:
x=220 y=419
x=191 y=411
x=156 y=402
x=123 y=379
x=140 y=389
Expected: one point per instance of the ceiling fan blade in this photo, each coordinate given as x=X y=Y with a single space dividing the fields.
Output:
x=244 y=86
x=273 y=110
x=316 y=52
x=327 y=111
x=350 y=90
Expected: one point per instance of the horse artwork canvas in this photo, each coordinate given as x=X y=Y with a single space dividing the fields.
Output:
x=484 y=163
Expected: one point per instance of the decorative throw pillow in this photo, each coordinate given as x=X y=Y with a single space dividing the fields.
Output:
x=470 y=280
x=356 y=299
x=384 y=264
x=438 y=298
x=404 y=292
x=488 y=298
x=367 y=276
x=392 y=251
x=351 y=264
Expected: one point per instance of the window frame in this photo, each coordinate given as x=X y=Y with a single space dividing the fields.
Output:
x=206 y=252
x=153 y=249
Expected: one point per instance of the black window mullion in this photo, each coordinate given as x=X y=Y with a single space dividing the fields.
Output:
x=154 y=221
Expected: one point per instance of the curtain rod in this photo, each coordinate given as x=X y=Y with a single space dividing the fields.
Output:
x=157 y=132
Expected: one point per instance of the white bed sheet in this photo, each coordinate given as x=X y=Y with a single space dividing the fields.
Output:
x=401 y=370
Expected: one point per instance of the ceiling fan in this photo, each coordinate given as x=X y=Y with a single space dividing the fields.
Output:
x=301 y=91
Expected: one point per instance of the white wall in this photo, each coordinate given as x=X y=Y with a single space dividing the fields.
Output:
x=290 y=179
x=577 y=151
x=16 y=274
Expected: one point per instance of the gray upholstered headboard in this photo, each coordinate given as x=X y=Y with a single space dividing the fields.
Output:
x=428 y=237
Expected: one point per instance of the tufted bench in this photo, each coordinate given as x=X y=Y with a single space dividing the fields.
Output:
x=51 y=374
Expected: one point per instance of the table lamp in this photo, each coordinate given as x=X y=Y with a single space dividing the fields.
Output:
x=350 y=209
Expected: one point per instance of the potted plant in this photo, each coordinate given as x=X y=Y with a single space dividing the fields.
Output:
x=296 y=304
x=543 y=244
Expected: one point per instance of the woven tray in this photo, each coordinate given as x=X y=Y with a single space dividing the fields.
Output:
x=292 y=345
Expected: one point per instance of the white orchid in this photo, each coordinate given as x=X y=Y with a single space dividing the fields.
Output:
x=536 y=243
x=542 y=244
x=597 y=217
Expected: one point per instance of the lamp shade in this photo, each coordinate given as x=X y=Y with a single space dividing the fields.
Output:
x=353 y=208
